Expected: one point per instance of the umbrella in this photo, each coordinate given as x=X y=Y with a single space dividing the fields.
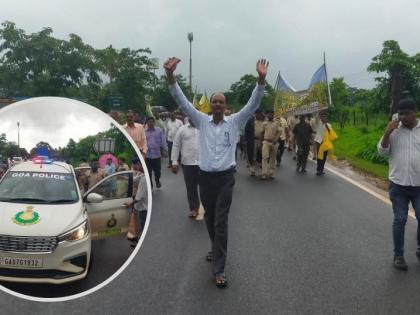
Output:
x=105 y=157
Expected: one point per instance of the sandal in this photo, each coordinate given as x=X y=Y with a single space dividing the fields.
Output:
x=193 y=214
x=209 y=256
x=221 y=281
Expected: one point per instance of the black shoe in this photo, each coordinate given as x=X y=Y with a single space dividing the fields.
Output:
x=298 y=169
x=158 y=184
x=303 y=170
x=399 y=263
x=418 y=254
x=294 y=158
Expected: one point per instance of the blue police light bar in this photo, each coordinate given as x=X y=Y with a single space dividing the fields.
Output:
x=42 y=160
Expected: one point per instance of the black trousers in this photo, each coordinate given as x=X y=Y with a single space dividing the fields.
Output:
x=154 y=166
x=250 y=149
x=216 y=189
x=170 y=144
x=302 y=155
x=320 y=164
x=258 y=154
x=280 y=151
x=191 y=178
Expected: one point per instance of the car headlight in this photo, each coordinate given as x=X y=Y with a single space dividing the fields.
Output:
x=75 y=234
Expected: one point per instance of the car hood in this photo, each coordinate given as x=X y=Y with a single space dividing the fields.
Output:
x=21 y=219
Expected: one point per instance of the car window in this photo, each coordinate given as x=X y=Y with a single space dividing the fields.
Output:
x=38 y=187
x=114 y=187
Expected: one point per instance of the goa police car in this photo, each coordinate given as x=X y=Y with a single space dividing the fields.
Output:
x=46 y=225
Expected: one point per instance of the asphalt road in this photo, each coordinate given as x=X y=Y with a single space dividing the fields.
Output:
x=297 y=245
x=108 y=256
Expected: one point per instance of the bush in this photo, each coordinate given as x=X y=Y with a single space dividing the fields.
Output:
x=370 y=153
x=364 y=130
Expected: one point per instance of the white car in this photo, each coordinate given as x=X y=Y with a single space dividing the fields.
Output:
x=17 y=160
x=46 y=226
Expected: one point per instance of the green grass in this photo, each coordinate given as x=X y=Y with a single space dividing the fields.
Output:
x=353 y=140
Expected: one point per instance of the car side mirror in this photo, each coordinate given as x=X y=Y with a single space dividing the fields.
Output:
x=94 y=198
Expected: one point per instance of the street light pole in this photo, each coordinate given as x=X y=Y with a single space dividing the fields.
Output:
x=190 y=39
x=18 y=125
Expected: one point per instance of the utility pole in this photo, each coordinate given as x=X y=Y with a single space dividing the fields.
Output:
x=18 y=125
x=190 y=39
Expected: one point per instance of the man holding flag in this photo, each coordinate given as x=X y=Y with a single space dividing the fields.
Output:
x=217 y=135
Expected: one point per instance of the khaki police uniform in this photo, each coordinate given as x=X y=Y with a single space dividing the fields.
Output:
x=271 y=135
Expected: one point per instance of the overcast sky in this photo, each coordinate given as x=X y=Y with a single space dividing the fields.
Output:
x=229 y=36
x=52 y=121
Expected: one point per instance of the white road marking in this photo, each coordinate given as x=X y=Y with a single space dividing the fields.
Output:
x=366 y=189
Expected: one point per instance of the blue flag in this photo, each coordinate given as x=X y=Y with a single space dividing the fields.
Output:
x=283 y=85
x=319 y=76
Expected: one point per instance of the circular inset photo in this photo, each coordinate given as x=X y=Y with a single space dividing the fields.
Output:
x=74 y=198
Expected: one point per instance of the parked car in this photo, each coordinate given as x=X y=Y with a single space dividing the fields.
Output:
x=47 y=225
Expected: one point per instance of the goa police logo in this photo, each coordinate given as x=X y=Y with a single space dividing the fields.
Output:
x=27 y=217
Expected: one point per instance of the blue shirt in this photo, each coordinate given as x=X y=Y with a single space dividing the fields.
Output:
x=217 y=141
x=155 y=142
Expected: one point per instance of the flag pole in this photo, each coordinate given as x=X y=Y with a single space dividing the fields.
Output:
x=276 y=98
x=328 y=84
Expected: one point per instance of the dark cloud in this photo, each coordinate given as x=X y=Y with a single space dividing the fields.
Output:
x=229 y=36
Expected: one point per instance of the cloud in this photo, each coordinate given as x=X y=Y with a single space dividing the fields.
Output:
x=53 y=120
x=229 y=36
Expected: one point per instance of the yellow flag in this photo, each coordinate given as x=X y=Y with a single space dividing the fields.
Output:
x=204 y=104
x=195 y=102
x=327 y=143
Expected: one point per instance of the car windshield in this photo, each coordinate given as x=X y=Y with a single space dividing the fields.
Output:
x=38 y=187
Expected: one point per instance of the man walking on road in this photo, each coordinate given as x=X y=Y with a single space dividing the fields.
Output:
x=217 y=135
x=249 y=143
x=172 y=127
x=258 y=125
x=186 y=143
x=401 y=142
x=322 y=127
x=303 y=135
x=136 y=132
x=270 y=136
x=282 y=140
x=157 y=148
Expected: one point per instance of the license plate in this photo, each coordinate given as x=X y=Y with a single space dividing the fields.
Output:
x=28 y=263
x=109 y=232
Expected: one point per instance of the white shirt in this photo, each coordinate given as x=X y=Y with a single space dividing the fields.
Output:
x=171 y=128
x=186 y=142
x=217 y=141
x=141 y=195
x=320 y=131
x=404 y=155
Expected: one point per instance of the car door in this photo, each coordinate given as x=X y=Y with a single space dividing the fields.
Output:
x=110 y=217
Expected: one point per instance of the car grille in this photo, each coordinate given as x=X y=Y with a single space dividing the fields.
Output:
x=49 y=273
x=27 y=244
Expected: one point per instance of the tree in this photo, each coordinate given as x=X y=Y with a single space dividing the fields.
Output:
x=401 y=73
x=38 y=64
x=240 y=92
x=162 y=97
x=129 y=73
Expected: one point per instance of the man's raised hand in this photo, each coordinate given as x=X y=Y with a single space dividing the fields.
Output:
x=170 y=64
x=262 y=66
